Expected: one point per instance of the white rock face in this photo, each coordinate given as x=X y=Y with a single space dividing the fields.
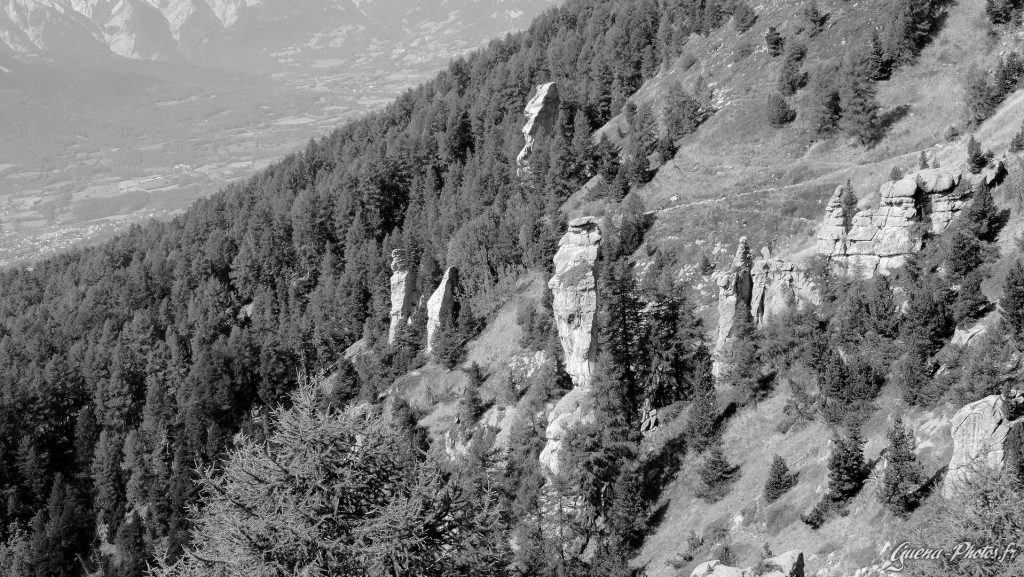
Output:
x=880 y=239
x=541 y=113
x=982 y=434
x=789 y=564
x=735 y=289
x=574 y=291
x=439 y=306
x=135 y=29
x=403 y=292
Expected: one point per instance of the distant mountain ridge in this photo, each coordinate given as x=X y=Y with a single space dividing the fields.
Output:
x=197 y=30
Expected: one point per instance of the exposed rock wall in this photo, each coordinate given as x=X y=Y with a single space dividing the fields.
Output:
x=789 y=564
x=984 y=435
x=880 y=239
x=541 y=113
x=403 y=292
x=440 y=305
x=574 y=303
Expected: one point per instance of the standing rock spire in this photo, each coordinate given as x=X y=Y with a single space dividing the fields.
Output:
x=440 y=306
x=541 y=113
x=735 y=288
x=574 y=291
x=403 y=292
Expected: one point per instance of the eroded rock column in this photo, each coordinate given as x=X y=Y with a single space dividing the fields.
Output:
x=440 y=305
x=403 y=293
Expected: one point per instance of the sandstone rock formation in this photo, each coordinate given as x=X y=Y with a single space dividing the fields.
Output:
x=777 y=286
x=735 y=288
x=439 y=307
x=985 y=434
x=574 y=291
x=789 y=564
x=880 y=239
x=403 y=292
x=541 y=113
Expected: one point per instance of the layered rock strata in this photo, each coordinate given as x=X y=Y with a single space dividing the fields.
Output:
x=879 y=239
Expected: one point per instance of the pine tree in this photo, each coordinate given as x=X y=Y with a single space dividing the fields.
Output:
x=826 y=110
x=778 y=111
x=814 y=18
x=913 y=375
x=858 y=102
x=779 y=480
x=621 y=330
x=471 y=407
x=902 y=473
x=847 y=469
x=791 y=78
x=682 y=112
x=971 y=302
x=922 y=161
x=975 y=157
x=1017 y=142
x=703 y=413
x=999 y=11
x=1011 y=305
x=714 y=472
x=983 y=218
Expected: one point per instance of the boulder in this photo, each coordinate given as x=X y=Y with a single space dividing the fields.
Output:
x=403 y=293
x=541 y=113
x=574 y=291
x=984 y=434
x=789 y=564
x=440 y=304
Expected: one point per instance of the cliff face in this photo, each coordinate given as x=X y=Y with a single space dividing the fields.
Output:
x=880 y=239
x=574 y=289
x=541 y=113
x=440 y=304
x=403 y=292
x=985 y=434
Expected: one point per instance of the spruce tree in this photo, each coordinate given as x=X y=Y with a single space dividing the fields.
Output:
x=902 y=473
x=1011 y=305
x=703 y=412
x=975 y=157
x=983 y=218
x=858 y=101
x=714 y=472
x=791 y=78
x=847 y=469
x=682 y=112
x=970 y=302
x=779 y=480
x=913 y=375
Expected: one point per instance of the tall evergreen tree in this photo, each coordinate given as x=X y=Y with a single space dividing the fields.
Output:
x=1011 y=305
x=902 y=473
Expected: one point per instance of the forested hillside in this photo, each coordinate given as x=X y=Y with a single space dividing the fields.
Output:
x=126 y=365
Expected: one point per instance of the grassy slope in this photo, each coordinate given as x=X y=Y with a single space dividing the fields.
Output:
x=738 y=176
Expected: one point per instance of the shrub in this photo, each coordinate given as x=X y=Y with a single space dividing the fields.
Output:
x=976 y=159
x=774 y=41
x=743 y=17
x=715 y=473
x=779 y=112
x=896 y=174
x=791 y=78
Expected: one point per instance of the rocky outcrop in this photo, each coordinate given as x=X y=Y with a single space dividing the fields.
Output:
x=789 y=564
x=735 y=289
x=777 y=286
x=574 y=291
x=541 y=113
x=574 y=303
x=440 y=306
x=985 y=434
x=879 y=239
x=403 y=293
